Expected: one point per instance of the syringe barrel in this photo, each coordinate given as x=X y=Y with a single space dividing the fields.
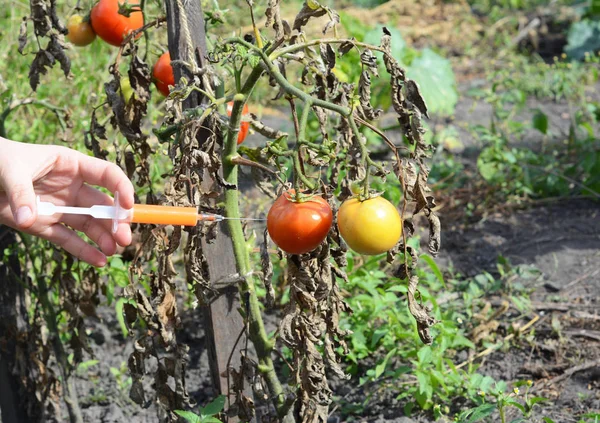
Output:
x=164 y=215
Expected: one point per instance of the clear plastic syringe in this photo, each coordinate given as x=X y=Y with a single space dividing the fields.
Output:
x=140 y=213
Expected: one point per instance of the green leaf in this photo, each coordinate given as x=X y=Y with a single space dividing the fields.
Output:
x=480 y=413
x=253 y=60
x=423 y=382
x=84 y=366
x=424 y=355
x=516 y=404
x=188 y=416
x=518 y=420
x=380 y=368
x=548 y=420
x=241 y=50
x=540 y=122
x=583 y=37
x=214 y=407
x=535 y=400
x=210 y=419
x=486 y=383
x=434 y=268
x=436 y=81
x=121 y=316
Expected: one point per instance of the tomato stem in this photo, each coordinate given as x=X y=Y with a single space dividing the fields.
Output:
x=256 y=328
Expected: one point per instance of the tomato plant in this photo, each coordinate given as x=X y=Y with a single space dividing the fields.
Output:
x=326 y=150
x=369 y=227
x=112 y=26
x=298 y=227
x=163 y=73
x=80 y=32
x=244 y=126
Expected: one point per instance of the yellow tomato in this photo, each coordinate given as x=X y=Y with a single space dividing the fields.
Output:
x=80 y=31
x=369 y=227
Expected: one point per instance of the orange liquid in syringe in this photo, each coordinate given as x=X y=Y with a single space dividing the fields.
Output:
x=164 y=215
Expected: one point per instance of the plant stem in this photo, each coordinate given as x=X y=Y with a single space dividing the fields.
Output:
x=286 y=85
x=61 y=356
x=256 y=328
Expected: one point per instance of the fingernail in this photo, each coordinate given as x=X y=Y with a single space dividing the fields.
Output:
x=23 y=215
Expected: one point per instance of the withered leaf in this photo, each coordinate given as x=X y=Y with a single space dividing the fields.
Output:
x=327 y=55
x=136 y=393
x=306 y=13
x=267 y=270
x=130 y=313
x=273 y=15
x=413 y=94
x=346 y=46
x=23 y=35
x=368 y=59
x=435 y=231
x=419 y=312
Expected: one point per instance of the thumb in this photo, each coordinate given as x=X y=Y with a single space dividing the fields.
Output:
x=19 y=190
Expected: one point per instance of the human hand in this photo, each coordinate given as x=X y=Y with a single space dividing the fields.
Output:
x=61 y=176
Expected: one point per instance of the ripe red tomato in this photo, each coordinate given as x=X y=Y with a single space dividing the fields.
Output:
x=163 y=74
x=80 y=32
x=298 y=228
x=110 y=25
x=244 y=126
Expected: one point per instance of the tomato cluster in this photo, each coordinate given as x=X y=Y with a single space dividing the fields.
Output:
x=111 y=26
x=105 y=21
x=369 y=227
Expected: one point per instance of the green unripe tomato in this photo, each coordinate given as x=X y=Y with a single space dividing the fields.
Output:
x=126 y=89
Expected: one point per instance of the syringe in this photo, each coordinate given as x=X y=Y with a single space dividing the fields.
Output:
x=140 y=213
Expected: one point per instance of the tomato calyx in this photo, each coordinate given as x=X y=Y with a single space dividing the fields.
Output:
x=299 y=197
x=126 y=9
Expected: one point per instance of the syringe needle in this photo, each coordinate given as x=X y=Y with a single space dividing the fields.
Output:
x=209 y=217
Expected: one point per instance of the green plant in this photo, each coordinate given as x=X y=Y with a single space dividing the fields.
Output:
x=566 y=167
x=504 y=401
x=199 y=142
x=122 y=378
x=206 y=414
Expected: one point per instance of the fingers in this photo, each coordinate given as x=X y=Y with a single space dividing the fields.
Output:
x=70 y=241
x=95 y=230
x=19 y=190
x=108 y=175
x=89 y=196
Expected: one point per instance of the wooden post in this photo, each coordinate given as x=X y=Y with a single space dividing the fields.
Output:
x=223 y=322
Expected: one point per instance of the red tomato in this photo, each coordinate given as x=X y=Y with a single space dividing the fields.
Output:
x=110 y=25
x=244 y=126
x=163 y=74
x=298 y=228
x=80 y=31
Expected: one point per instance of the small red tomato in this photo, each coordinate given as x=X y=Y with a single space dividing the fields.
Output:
x=299 y=227
x=80 y=32
x=163 y=74
x=111 y=26
x=244 y=126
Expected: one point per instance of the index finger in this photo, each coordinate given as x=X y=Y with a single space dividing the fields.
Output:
x=108 y=175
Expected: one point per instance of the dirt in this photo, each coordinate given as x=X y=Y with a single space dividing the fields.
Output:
x=104 y=395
